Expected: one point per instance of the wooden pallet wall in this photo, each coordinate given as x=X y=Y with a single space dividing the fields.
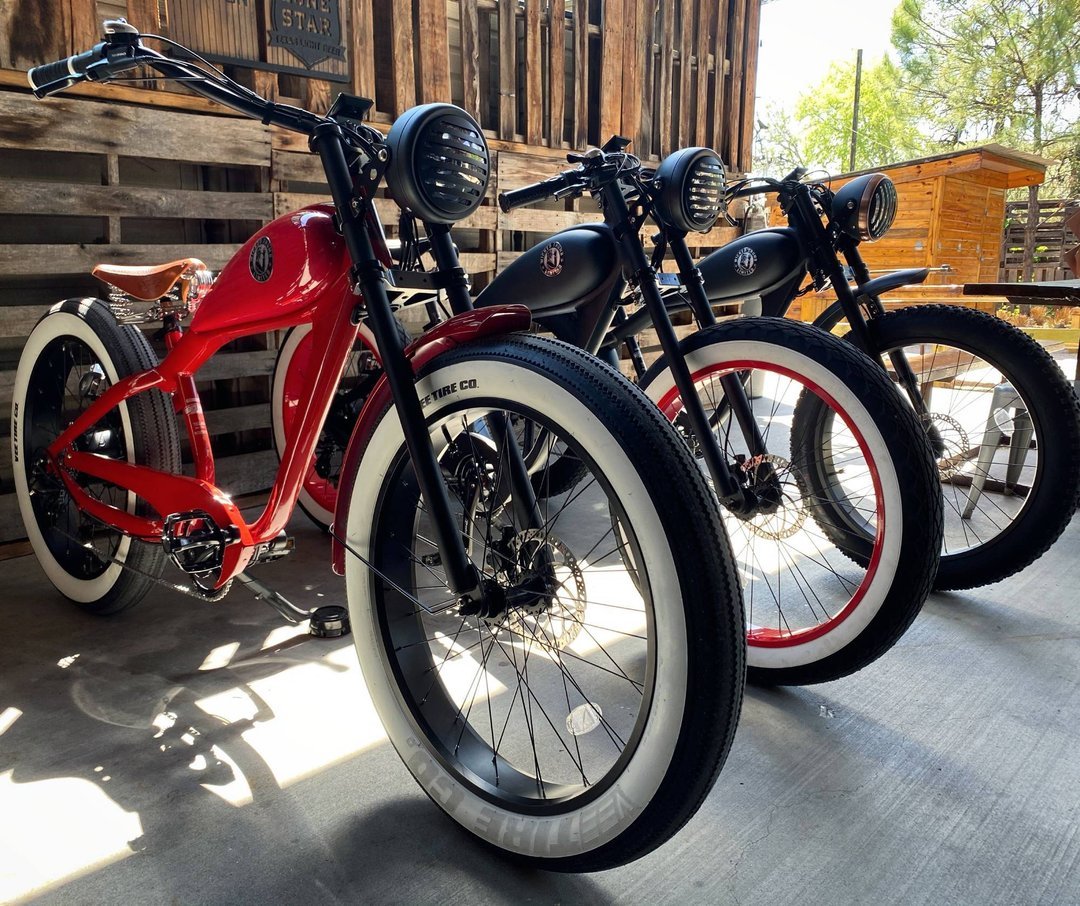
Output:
x=135 y=174
x=1052 y=239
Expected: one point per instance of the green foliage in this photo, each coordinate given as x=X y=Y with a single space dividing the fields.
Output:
x=1005 y=71
x=967 y=72
x=818 y=135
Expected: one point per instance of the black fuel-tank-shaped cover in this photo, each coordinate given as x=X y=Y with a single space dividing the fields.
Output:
x=752 y=264
x=559 y=274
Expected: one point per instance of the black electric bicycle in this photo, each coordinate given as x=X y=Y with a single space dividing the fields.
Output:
x=813 y=614
x=562 y=674
x=1001 y=415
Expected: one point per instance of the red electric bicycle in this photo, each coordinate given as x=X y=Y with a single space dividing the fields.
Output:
x=562 y=673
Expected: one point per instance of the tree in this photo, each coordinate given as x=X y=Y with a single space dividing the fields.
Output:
x=998 y=70
x=818 y=134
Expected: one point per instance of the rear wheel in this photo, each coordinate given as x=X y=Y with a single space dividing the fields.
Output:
x=72 y=356
x=1006 y=424
x=580 y=713
x=812 y=613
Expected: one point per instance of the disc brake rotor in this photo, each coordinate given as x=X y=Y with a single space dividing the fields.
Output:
x=790 y=515
x=955 y=442
x=558 y=623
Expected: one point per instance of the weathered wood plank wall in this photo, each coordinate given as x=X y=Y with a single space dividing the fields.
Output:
x=140 y=174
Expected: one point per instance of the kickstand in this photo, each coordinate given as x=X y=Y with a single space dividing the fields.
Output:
x=331 y=621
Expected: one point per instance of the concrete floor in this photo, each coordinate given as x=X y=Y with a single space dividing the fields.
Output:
x=196 y=753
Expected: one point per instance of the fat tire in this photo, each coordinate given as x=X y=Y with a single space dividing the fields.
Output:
x=1055 y=413
x=710 y=600
x=153 y=441
x=909 y=456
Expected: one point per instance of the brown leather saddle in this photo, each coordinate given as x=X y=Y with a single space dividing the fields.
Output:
x=153 y=282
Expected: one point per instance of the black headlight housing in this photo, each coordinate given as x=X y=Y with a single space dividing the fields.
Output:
x=866 y=207
x=691 y=189
x=439 y=163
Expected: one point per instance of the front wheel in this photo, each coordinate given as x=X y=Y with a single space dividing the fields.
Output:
x=581 y=717
x=814 y=614
x=1007 y=428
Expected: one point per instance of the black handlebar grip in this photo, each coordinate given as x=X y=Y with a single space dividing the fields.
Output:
x=526 y=195
x=52 y=77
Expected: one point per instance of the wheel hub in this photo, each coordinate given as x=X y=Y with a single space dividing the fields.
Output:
x=776 y=509
x=537 y=589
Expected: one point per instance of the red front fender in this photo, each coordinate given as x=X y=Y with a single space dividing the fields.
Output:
x=463 y=328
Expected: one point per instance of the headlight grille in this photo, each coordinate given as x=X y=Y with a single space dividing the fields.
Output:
x=704 y=191
x=452 y=165
x=439 y=163
x=882 y=210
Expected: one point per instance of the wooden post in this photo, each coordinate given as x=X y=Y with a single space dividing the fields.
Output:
x=557 y=71
x=402 y=53
x=611 y=68
x=534 y=82
x=581 y=74
x=735 y=83
x=751 y=44
x=434 y=56
x=706 y=18
x=666 y=30
x=112 y=178
x=631 y=43
x=470 y=49
x=363 y=49
x=723 y=11
x=647 y=41
x=507 y=70
x=686 y=82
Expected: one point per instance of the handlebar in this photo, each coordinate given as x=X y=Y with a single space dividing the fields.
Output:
x=559 y=186
x=122 y=51
x=51 y=77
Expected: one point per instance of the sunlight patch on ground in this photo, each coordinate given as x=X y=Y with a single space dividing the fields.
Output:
x=44 y=834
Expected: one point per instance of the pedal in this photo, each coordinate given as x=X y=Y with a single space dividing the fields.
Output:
x=196 y=543
x=275 y=549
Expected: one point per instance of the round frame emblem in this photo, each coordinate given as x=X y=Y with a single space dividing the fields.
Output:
x=261 y=259
x=745 y=261
x=551 y=259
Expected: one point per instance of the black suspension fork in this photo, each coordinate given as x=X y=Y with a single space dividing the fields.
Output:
x=727 y=485
x=733 y=383
x=456 y=283
x=461 y=576
x=901 y=367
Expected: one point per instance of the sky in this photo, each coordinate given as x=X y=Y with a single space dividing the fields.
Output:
x=801 y=38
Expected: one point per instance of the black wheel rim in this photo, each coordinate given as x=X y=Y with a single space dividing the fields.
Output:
x=66 y=378
x=567 y=714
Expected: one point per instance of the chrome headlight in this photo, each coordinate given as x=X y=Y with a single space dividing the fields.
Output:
x=691 y=184
x=866 y=207
x=439 y=163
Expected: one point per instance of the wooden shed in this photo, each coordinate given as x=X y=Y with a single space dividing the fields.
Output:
x=143 y=173
x=952 y=211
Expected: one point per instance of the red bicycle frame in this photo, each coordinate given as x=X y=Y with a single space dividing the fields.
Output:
x=308 y=283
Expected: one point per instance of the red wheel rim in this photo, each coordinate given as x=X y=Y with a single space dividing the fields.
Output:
x=671 y=404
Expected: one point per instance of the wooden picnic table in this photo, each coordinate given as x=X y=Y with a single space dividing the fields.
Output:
x=1048 y=292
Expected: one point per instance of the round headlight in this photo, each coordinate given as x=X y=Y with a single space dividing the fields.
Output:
x=866 y=207
x=439 y=163
x=691 y=183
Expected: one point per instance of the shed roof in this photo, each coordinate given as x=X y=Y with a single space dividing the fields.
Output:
x=1021 y=168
